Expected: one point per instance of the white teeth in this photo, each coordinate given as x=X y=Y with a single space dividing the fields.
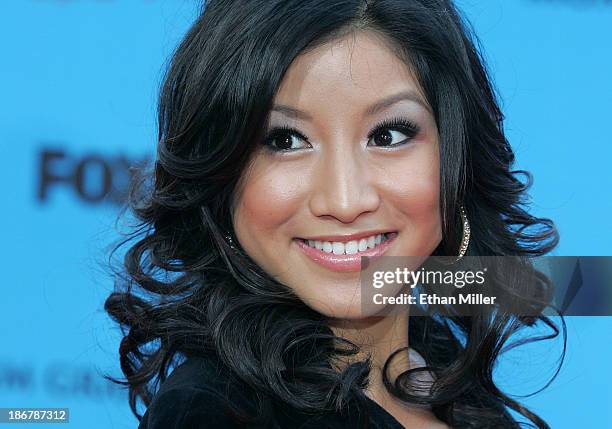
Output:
x=363 y=244
x=348 y=248
x=351 y=247
x=338 y=248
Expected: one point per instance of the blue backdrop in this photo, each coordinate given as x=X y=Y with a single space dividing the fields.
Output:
x=78 y=85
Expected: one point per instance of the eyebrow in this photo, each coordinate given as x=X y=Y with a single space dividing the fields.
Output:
x=391 y=100
x=371 y=110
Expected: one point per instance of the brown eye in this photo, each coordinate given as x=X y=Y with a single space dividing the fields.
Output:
x=285 y=139
x=389 y=137
x=393 y=132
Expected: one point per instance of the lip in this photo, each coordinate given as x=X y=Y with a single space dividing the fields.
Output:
x=347 y=237
x=350 y=263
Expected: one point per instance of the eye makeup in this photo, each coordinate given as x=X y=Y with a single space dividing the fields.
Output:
x=281 y=138
x=403 y=125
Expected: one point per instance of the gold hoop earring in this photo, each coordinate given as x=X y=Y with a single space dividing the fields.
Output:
x=465 y=238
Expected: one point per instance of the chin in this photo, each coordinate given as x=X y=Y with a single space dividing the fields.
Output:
x=346 y=308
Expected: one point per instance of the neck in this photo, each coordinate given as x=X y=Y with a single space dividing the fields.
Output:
x=378 y=336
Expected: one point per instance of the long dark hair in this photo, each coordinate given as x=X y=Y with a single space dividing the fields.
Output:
x=182 y=289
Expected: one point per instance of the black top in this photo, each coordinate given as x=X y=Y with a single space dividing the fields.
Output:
x=194 y=396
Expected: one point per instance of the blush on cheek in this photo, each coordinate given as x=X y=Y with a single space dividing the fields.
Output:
x=427 y=210
x=270 y=198
x=263 y=209
x=268 y=207
x=416 y=195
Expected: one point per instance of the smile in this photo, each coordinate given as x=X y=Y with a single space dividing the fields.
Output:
x=340 y=254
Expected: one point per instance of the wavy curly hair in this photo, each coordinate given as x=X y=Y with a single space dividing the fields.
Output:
x=182 y=290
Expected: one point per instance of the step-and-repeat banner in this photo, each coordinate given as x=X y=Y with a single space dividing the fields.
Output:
x=78 y=86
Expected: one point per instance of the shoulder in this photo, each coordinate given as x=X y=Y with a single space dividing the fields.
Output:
x=187 y=408
x=195 y=395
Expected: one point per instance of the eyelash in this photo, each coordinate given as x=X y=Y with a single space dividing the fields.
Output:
x=403 y=125
x=277 y=132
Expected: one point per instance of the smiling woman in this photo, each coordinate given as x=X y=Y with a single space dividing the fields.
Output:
x=353 y=169
x=297 y=137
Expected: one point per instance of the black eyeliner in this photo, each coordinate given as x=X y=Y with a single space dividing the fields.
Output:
x=278 y=131
x=405 y=126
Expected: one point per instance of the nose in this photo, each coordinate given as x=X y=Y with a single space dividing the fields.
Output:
x=344 y=187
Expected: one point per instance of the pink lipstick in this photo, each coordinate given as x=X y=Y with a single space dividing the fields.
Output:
x=344 y=253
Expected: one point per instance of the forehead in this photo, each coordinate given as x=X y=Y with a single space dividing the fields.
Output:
x=352 y=70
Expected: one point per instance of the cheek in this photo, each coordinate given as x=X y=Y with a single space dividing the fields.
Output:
x=412 y=186
x=269 y=199
x=413 y=183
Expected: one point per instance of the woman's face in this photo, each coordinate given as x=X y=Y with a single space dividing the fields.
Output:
x=354 y=173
